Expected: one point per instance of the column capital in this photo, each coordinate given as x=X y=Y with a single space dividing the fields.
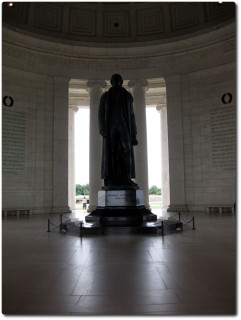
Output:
x=173 y=78
x=160 y=107
x=94 y=83
x=63 y=80
x=141 y=82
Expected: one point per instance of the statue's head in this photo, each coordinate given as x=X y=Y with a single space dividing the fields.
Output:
x=116 y=80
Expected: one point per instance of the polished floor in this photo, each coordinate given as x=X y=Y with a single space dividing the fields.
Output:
x=187 y=273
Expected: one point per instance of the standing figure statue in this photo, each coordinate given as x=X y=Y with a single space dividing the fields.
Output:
x=118 y=128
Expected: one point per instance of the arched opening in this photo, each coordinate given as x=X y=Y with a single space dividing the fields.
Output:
x=79 y=140
x=82 y=124
x=154 y=157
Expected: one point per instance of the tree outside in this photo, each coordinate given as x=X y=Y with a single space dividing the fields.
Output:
x=155 y=190
x=82 y=189
x=85 y=190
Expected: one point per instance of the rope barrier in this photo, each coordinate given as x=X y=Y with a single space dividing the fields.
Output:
x=52 y=226
x=68 y=228
x=57 y=224
x=187 y=222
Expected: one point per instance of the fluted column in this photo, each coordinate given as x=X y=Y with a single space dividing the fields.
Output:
x=141 y=160
x=175 y=143
x=60 y=145
x=162 y=108
x=71 y=158
x=95 y=182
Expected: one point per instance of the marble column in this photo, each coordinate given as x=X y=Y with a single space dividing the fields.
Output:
x=175 y=143
x=95 y=91
x=141 y=159
x=162 y=108
x=60 y=147
x=71 y=158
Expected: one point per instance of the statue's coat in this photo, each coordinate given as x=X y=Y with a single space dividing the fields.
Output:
x=126 y=103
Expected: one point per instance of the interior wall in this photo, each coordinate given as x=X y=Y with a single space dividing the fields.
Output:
x=27 y=141
x=36 y=73
x=209 y=137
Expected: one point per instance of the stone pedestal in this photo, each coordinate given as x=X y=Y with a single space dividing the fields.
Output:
x=121 y=208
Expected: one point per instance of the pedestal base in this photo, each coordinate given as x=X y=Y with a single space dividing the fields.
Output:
x=121 y=216
x=159 y=227
x=121 y=208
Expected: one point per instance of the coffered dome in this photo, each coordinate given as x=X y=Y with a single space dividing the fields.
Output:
x=114 y=23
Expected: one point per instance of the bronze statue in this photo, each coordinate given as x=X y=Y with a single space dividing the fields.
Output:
x=118 y=129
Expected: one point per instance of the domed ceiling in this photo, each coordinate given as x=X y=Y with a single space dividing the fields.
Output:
x=113 y=23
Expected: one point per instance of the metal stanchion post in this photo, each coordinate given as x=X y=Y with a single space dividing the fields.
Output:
x=163 y=234
x=80 y=229
x=179 y=216
x=193 y=224
x=60 y=225
x=48 y=225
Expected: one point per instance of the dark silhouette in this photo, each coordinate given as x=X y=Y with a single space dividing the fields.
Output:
x=118 y=128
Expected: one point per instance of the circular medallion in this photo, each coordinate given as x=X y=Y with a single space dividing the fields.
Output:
x=8 y=101
x=226 y=98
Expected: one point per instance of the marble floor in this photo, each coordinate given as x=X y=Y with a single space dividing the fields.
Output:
x=187 y=273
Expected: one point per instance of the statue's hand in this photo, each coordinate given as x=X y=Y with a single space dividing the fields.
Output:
x=103 y=133
x=134 y=142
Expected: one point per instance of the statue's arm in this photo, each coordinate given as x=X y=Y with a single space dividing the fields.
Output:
x=101 y=116
x=133 y=124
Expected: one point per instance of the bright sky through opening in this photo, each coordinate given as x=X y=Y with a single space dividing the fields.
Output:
x=82 y=146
